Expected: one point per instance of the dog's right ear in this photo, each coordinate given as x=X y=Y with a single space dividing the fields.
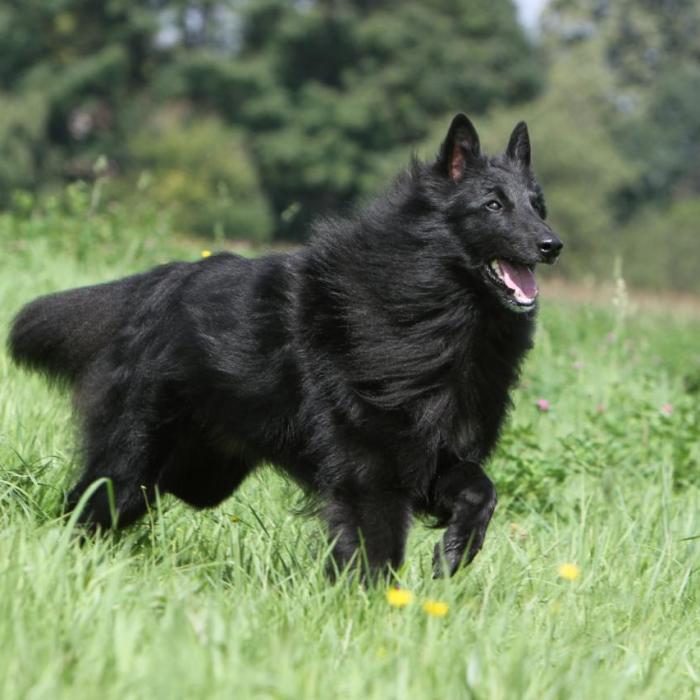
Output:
x=460 y=145
x=518 y=149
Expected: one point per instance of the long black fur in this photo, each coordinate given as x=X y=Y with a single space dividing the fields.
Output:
x=373 y=366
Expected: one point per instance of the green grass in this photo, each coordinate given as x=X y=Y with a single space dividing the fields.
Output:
x=233 y=603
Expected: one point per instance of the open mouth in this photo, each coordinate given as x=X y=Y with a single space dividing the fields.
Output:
x=515 y=282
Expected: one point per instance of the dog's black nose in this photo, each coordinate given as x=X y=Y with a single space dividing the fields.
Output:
x=550 y=246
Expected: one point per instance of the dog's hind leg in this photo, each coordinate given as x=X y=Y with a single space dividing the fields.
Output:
x=130 y=462
x=124 y=444
x=368 y=530
x=465 y=498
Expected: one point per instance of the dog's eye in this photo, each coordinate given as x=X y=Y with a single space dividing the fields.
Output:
x=539 y=208
x=493 y=205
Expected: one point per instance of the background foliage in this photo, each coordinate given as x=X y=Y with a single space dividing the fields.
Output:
x=131 y=132
x=249 y=118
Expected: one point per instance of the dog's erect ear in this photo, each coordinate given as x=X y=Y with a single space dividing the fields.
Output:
x=460 y=145
x=519 y=145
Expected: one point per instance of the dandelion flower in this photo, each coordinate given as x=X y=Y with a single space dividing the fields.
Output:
x=666 y=409
x=569 y=571
x=543 y=405
x=398 y=597
x=206 y=253
x=435 y=608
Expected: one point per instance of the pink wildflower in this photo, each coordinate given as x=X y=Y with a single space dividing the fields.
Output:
x=543 y=405
x=666 y=409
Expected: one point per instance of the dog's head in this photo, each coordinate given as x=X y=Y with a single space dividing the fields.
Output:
x=495 y=208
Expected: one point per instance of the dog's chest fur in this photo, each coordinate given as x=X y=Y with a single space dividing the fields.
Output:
x=409 y=373
x=487 y=372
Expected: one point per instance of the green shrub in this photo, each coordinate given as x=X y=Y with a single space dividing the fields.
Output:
x=201 y=170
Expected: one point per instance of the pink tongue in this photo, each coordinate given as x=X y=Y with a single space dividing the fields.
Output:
x=520 y=279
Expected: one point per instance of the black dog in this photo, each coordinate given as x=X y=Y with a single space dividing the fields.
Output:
x=373 y=366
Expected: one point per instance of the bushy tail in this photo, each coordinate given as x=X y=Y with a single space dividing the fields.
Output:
x=59 y=334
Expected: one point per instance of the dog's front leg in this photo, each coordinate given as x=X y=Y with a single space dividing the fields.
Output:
x=368 y=530
x=469 y=497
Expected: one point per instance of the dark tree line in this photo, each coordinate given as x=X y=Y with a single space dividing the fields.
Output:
x=248 y=118
x=318 y=101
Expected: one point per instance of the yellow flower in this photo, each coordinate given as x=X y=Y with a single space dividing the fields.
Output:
x=206 y=253
x=436 y=608
x=235 y=519
x=398 y=597
x=569 y=571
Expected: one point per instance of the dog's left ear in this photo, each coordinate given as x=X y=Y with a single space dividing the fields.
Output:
x=519 y=145
x=460 y=145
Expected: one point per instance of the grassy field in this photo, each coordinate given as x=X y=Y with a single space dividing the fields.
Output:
x=232 y=602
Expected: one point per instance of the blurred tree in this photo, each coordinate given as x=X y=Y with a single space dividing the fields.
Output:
x=23 y=121
x=641 y=37
x=201 y=171
x=652 y=50
x=67 y=69
x=665 y=141
x=252 y=117
x=325 y=93
x=616 y=136
x=329 y=91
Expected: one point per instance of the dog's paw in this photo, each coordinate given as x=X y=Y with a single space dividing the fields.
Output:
x=446 y=561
